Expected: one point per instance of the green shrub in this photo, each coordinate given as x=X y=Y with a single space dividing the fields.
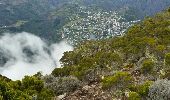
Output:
x=33 y=83
x=9 y=93
x=167 y=59
x=134 y=96
x=165 y=74
x=142 y=89
x=107 y=59
x=93 y=75
x=60 y=72
x=147 y=66
x=120 y=80
x=160 y=48
x=45 y=94
x=80 y=71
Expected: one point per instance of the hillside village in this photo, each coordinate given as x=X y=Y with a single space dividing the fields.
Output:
x=92 y=24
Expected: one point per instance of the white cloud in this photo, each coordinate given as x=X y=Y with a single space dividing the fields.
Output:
x=26 y=54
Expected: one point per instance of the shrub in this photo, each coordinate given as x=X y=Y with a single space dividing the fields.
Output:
x=60 y=72
x=167 y=59
x=134 y=96
x=45 y=94
x=9 y=93
x=93 y=75
x=143 y=89
x=160 y=90
x=108 y=59
x=80 y=71
x=32 y=83
x=165 y=74
x=147 y=66
x=160 y=48
x=120 y=80
x=34 y=86
x=62 y=85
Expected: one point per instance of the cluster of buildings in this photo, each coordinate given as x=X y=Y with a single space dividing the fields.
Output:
x=92 y=24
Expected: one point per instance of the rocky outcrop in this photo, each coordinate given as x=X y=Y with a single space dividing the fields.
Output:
x=89 y=92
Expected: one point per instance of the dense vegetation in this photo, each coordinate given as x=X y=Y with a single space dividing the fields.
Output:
x=135 y=66
x=30 y=87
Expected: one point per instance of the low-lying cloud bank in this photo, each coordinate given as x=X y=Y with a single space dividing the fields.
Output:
x=26 y=54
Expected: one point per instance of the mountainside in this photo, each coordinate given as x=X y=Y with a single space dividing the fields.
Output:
x=132 y=67
x=135 y=66
x=48 y=18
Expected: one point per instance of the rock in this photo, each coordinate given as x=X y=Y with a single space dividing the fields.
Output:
x=86 y=88
x=60 y=97
x=89 y=92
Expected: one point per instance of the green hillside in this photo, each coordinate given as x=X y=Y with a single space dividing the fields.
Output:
x=132 y=67
x=135 y=66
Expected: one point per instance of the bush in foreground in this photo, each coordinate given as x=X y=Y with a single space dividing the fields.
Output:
x=160 y=90
x=61 y=85
x=134 y=96
x=121 y=80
